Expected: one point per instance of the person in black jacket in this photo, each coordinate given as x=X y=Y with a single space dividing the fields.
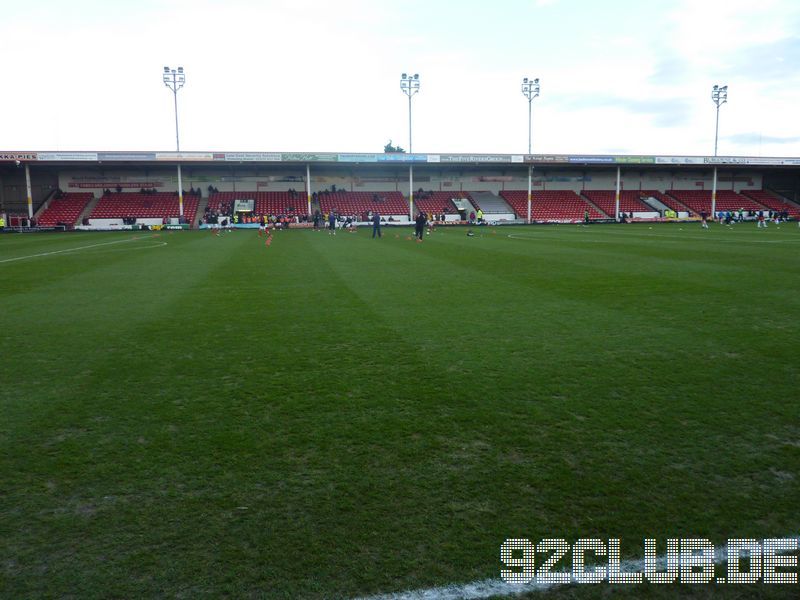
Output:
x=376 y=225
x=420 y=222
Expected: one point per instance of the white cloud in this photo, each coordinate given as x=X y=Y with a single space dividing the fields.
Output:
x=313 y=75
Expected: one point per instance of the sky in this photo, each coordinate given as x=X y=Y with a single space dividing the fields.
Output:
x=616 y=76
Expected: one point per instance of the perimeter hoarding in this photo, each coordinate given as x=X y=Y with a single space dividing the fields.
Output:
x=369 y=157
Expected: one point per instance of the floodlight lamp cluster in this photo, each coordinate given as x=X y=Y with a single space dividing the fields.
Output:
x=409 y=83
x=530 y=88
x=174 y=78
x=719 y=94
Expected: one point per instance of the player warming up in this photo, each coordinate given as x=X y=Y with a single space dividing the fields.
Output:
x=332 y=223
x=376 y=224
x=420 y=225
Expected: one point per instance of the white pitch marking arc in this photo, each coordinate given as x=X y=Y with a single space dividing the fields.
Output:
x=65 y=250
x=489 y=588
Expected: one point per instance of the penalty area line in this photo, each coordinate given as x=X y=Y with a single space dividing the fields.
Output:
x=65 y=250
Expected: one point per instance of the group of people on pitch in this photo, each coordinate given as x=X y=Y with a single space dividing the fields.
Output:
x=726 y=217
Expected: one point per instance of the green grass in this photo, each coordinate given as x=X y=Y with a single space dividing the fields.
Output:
x=333 y=417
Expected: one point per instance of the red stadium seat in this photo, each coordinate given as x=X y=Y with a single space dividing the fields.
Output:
x=437 y=203
x=360 y=203
x=699 y=201
x=65 y=210
x=159 y=205
x=629 y=200
x=266 y=203
x=555 y=206
x=773 y=202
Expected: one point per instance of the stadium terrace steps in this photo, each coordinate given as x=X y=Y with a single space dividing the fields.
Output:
x=672 y=202
x=88 y=209
x=653 y=202
x=490 y=203
x=361 y=203
x=44 y=205
x=597 y=208
x=466 y=204
x=158 y=205
x=65 y=210
x=553 y=206
x=201 y=210
x=773 y=202
x=436 y=203
x=629 y=200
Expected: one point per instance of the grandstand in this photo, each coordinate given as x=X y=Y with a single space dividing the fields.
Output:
x=499 y=189
x=362 y=203
x=157 y=205
x=700 y=200
x=65 y=210
x=490 y=204
x=554 y=206
x=437 y=202
x=773 y=202
x=266 y=203
x=629 y=200
x=670 y=201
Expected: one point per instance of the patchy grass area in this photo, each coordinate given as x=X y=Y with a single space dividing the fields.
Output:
x=197 y=416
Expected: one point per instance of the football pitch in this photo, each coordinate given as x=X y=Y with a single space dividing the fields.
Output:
x=200 y=416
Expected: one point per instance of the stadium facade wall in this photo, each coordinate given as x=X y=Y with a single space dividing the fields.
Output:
x=371 y=180
x=14 y=194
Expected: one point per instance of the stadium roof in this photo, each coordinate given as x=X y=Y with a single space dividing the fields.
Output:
x=354 y=158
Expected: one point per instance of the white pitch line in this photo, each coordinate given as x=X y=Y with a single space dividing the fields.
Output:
x=674 y=238
x=475 y=590
x=488 y=588
x=154 y=245
x=67 y=250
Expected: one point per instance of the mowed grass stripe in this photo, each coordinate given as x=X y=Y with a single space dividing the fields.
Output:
x=331 y=416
